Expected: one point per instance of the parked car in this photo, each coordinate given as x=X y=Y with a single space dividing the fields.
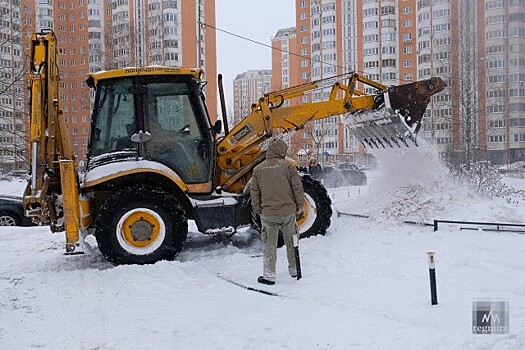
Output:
x=12 y=212
x=351 y=175
x=343 y=174
x=16 y=174
x=330 y=176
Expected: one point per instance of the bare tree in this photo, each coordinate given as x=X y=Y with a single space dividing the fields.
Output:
x=485 y=179
x=466 y=81
x=122 y=45
x=299 y=146
x=13 y=117
x=318 y=132
x=463 y=107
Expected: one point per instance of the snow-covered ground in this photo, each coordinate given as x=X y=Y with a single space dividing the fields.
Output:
x=365 y=284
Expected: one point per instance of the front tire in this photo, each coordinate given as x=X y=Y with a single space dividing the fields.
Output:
x=141 y=225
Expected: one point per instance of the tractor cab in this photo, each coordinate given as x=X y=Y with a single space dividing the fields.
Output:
x=156 y=117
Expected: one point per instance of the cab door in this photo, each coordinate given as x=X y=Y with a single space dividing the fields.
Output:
x=180 y=131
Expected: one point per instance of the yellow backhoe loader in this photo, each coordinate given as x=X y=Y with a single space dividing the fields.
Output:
x=155 y=160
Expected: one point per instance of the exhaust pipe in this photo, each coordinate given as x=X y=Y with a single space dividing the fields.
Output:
x=223 y=107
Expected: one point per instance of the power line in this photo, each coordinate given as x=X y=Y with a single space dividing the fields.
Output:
x=271 y=47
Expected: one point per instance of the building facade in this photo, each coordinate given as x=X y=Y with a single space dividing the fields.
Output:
x=164 y=32
x=247 y=88
x=477 y=47
x=15 y=19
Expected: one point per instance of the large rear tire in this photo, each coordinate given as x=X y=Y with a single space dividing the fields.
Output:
x=141 y=225
x=317 y=208
x=317 y=211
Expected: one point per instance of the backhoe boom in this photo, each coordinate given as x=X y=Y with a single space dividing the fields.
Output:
x=382 y=118
x=52 y=194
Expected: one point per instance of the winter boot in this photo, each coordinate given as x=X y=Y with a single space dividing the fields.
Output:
x=293 y=272
x=263 y=280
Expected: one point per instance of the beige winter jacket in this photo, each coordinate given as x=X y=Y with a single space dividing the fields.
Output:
x=276 y=188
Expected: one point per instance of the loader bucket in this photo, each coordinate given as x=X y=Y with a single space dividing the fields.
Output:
x=396 y=118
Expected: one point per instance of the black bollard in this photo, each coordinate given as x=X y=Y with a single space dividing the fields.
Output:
x=432 y=272
x=296 y=251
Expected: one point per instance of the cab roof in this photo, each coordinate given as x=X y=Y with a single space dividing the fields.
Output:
x=197 y=73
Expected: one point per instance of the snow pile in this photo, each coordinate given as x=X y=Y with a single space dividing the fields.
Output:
x=414 y=185
x=408 y=166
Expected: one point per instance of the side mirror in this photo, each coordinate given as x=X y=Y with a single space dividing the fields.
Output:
x=217 y=127
x=141 y=137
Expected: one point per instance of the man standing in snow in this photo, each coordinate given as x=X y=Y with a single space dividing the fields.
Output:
x=277 y=196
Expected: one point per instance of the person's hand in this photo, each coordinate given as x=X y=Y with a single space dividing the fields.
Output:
x=299 y=211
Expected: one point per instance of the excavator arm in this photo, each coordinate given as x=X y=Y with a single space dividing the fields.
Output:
x=51 y=196
x=387 y=117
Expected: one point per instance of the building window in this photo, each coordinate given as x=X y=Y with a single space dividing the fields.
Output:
x=388 y=10
x=371 y=25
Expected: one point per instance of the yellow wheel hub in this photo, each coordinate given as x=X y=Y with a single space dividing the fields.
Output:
x=304 y=216
x=140 y=229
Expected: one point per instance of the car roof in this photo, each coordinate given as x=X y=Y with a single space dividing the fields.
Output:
x=10 y=197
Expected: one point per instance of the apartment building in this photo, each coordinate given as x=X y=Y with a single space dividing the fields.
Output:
x=287 y=56
x=477 y=47
x=321 y=34
x=164 y=32
x=287 y=71
x=94 y=35
x=247 y=88
x=501 y=70
x=317 y=43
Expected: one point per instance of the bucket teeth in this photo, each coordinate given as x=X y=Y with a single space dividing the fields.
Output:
x=381 y=133
x=396 y=116
x=392 y=133
x=403 y=140
x=369 y=137
x=395 y=141
x=375 y=129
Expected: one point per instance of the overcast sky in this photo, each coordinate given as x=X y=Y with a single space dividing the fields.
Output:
x=256 y=20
